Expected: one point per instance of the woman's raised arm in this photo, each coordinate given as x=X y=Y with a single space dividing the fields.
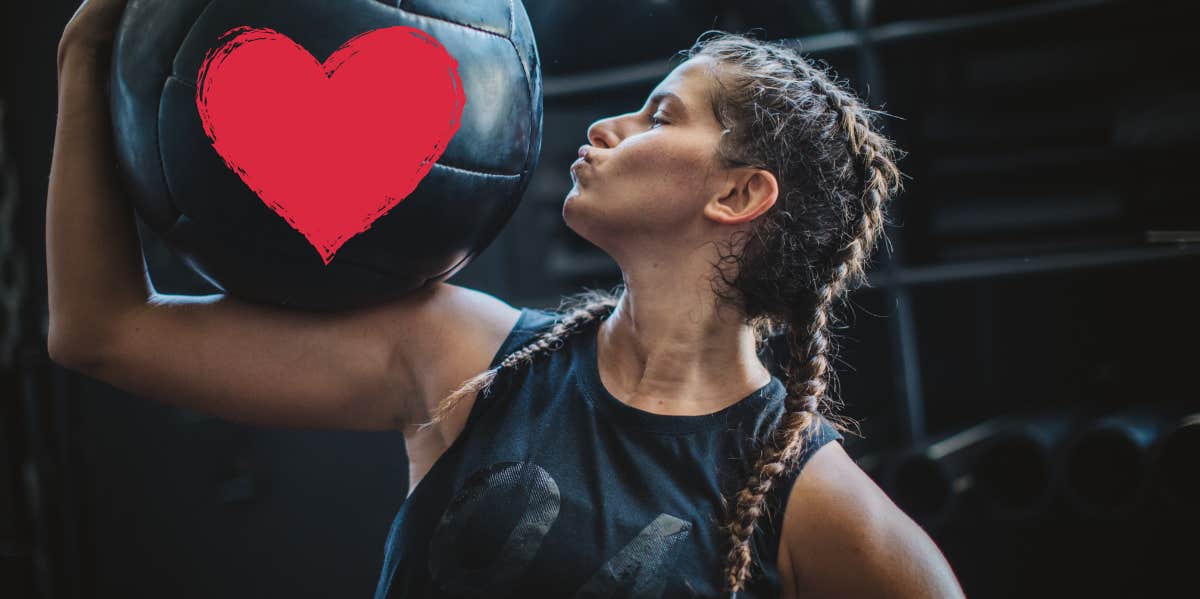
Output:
x=368 y=369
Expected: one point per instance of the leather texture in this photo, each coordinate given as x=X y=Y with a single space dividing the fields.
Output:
x=185 y=193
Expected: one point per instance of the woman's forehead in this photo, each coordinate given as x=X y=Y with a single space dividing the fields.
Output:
x=691 y=81
x=693 y=75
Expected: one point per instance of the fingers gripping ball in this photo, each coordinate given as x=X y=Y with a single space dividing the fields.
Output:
x=326 y=155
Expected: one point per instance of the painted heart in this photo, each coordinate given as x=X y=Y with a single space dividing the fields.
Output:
x=331 y=146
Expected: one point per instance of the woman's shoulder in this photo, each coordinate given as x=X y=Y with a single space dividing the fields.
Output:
x=531 y=323
x=851 y=539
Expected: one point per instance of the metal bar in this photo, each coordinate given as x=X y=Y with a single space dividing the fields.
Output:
x=834 y=41
x=1160 y=236
x=926 y=28
x=1067 y=261
x=601 y=80
x=906 y=371
x=904 y=345
x=823 y=43
x=906 y=30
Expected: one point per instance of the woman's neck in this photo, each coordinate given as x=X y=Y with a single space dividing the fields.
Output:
x=672 y=357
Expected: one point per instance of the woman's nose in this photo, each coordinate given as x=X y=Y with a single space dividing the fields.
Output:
x=601 y=135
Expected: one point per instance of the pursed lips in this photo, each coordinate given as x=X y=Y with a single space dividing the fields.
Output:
x=582 y=160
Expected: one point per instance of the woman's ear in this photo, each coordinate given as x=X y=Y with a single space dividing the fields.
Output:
x=749 y=193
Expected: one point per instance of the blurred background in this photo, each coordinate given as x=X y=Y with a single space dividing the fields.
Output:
x=1023 y=367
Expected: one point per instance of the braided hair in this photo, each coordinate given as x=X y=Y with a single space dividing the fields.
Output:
x=792 y=117
x=578 y=310
x=782 y=113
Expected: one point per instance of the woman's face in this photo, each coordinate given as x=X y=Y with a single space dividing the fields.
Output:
x=649 y=174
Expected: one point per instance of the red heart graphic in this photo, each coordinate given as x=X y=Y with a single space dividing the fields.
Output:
x=330 y=147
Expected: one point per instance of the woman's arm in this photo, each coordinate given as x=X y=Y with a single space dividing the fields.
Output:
x=216 y=354
x=844 y=537
x=94 y=266
x=377 y=368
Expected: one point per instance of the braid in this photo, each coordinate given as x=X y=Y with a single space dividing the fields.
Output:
x=581 y=310
x=880 y=174
x=809 y=345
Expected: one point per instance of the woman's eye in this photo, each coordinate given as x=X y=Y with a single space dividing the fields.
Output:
x=656 y=121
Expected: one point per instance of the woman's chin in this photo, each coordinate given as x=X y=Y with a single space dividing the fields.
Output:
x=575 y=191
x=575 y=205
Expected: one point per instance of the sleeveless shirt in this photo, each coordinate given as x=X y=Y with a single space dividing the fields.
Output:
x=555 y=488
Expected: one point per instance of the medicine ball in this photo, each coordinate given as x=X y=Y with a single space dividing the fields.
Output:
x=191 y=197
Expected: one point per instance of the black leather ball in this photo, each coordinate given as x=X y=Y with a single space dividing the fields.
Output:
x=187 y=194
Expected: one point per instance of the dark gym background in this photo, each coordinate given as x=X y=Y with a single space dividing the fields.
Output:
x=1044 y=266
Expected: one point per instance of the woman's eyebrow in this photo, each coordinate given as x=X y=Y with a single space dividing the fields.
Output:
x=665 y=94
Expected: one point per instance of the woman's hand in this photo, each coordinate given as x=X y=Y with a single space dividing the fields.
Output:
x=92 y=28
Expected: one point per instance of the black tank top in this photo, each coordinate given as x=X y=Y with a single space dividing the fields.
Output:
x=555 y=488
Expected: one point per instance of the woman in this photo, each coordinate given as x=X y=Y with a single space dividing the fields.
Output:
x=629 y=445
